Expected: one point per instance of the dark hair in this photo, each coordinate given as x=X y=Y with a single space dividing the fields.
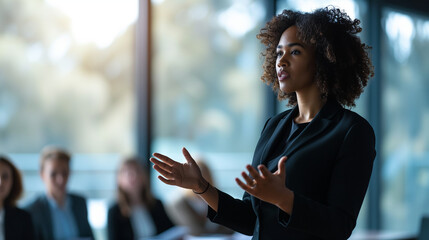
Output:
x=16 y=189
x=145 y=193
x=343 y=66
x=53 y=153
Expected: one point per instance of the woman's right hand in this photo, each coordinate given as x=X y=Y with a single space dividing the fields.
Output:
x=185 y=175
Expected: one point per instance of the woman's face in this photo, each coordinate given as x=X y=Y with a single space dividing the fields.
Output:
x=5 y=181
x=295 y=64
x=55 y=175
x=130 y=178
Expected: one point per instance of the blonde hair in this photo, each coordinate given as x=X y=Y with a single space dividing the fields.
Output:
x=53 y=153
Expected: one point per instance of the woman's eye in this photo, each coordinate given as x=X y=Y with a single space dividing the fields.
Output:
x=295 y=52
x=279 y=54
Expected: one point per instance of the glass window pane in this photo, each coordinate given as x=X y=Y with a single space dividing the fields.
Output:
x=66 y=78
x=405 y=105
x=207 y=92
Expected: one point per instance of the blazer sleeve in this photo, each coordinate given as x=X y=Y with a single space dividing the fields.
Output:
x=349 y=181
x=235 y=214
x=40 y=219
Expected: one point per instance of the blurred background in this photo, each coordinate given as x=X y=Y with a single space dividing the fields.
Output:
x=111 y=78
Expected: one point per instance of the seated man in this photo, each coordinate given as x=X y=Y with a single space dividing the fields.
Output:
x=58 y=214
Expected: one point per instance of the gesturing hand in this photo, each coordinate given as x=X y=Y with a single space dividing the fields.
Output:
x=185 y=175
x=267 y=186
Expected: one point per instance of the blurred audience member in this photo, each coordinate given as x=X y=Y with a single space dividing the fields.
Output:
x=15 y=223
x=190 y=210
x=137 y=214
x=58 y=214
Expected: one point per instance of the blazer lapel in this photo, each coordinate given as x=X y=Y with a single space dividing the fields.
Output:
x=318 y=125
x=273 y=141
x=76 y=212
x=47 y=218
x=8 y=230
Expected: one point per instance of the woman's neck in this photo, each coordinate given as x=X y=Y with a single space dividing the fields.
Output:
x=309 y=104
x=135 y=199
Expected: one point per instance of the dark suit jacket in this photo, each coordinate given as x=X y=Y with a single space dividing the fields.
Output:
x=328 y=168
x=41 y=214
x=18 y=224
x=119 y=227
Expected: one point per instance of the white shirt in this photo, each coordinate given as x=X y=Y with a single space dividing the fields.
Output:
x=142 y=222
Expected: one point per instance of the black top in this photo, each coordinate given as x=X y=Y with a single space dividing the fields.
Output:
x=120 y=228
x=328 y=168
x=290 y=132
x=296 y=129
x=17 y=224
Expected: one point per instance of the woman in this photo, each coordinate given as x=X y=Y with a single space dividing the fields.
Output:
x=312 y=164
x=58 y=214
x=15 y=223
x=137 y=214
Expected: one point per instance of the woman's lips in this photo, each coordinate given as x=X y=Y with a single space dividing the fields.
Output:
x=282 y=75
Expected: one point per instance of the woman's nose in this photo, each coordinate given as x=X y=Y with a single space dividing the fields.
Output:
x=282 y=62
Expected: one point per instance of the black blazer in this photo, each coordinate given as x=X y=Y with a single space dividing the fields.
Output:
x=41 y=214
x=17 y=224
x=328 y=168
x=119 y=227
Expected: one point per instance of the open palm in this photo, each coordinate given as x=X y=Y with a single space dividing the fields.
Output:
x=185 y=175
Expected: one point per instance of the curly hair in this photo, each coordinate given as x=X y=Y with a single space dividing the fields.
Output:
x=16 y=189
x=343 y=66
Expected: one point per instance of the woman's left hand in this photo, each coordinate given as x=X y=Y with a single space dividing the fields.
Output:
x=267 y=186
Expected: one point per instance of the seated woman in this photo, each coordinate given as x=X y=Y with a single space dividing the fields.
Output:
x=15 y=223
x=137 y=214
x=58 y=214
x=190 y=210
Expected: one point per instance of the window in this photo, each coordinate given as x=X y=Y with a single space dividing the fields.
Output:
x=405 y=114
x=66 y=78
x=207 y=92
